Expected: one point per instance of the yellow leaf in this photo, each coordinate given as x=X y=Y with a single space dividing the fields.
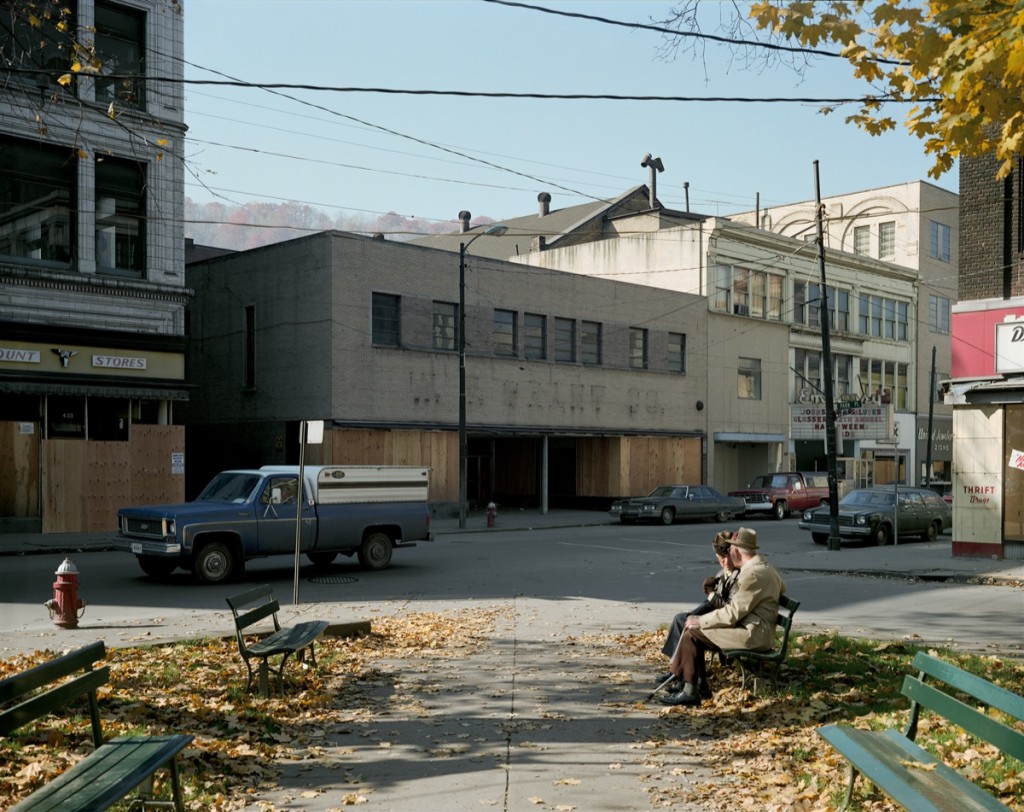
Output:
x=917 y=765
x=64 y=80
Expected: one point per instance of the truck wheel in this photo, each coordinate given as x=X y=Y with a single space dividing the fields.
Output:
x=321 y=559
x=156 y=566
x=881 y=535
x=215 y=563
x=819 y=538
x=375 y=552
x=668 y=515
x=780 y=511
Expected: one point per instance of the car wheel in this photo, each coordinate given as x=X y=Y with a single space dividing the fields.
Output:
x=156 y=566
x=819 y=538
x=668 y=515
x=723 y=516
x=779 y=511
x=375 y=552
x=881 y=535
x=321 y=559
x=215 y=563
x=931 y=532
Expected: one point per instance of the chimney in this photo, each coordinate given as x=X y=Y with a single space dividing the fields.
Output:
x=465 y=217
x=545 y=203
x=653 y=165
x=538 y=243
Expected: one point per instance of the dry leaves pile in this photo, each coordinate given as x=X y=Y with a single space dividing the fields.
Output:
x=198 y=687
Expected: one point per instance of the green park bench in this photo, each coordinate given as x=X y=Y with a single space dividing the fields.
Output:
x=255 y=605
x=746 y=659
x=912 y=776
x=114 y=768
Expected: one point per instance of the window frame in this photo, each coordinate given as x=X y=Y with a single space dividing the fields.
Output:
x=565 y=340
x=504 y=333
x=887 y=240
x=639 y=350
x=535 y=336
x=444 y=323
x=123 y=30
x=939 y=314
x=591 y=342
x=386 y=319
x=677 y=352
x=125 y=223
x=939 y=238
x=748 y=370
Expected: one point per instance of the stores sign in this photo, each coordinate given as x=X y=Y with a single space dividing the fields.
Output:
x=1010 y=346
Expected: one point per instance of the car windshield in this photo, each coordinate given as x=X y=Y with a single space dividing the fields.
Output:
x=230 y=487
x=867 y=499
x=666 y=490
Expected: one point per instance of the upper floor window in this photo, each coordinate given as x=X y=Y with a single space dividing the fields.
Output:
x=445 y=325
x=638 y=348
x=120 y=48
x=535 y=336
x=885 y=379
x=565 y=340
x=938 y=314
x=938 y=241
x=36 y=37
x=37 y=202
x=747 y=293
x=807 y=305
x=505 y=332
x=385 y=320
x=880 y=317
x=808 y=385
x=590 y=342
x=120 y=217
x=862 y=240
x=749 y=379
x=887 y=240
x=677 y=352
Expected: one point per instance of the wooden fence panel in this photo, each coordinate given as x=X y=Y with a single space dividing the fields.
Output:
x=19 y=473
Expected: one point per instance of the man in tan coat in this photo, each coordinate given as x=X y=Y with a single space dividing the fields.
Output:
x=746 y=621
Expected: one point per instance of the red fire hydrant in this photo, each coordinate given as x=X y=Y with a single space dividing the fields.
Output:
x=65 y=606
x=492 y=514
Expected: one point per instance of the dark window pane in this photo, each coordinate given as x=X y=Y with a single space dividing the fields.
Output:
x=120 y=217
x=385 y=320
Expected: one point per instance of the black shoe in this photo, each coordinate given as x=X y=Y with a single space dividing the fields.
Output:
x=688 y=696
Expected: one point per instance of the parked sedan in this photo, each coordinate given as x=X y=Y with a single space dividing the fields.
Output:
x=667 y=503
x=867 y=513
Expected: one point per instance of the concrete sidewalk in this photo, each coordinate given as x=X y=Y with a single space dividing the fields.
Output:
x=927 y=561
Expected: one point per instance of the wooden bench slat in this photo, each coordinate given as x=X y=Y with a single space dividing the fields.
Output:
x=973 y=721
x=878 y=755
x=107 y=775
x=290 y=639
x=19 y=684
x=992 y=695
x=54 y=699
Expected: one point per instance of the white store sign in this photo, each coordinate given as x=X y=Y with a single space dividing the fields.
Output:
x=1010 y=346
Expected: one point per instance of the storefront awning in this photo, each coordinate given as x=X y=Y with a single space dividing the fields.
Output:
x=1009 y=390
x=140 y=391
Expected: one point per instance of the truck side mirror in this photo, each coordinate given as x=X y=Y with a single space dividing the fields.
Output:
x=275 y=496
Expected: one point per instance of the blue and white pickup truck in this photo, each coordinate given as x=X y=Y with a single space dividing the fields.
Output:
x=361 y=510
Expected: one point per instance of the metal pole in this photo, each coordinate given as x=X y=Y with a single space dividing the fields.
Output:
x=463 y=449
x=826 y=374
x=931 y=413
x=300 y=501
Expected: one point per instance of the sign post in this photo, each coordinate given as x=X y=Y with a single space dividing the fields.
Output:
x=310 y=431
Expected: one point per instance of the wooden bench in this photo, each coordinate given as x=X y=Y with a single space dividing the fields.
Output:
x=255 y=605
x=114 y=768
x=912 y=776
x=760 y=659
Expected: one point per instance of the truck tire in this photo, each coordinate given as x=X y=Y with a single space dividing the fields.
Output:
x=779 y=509
x=668 y=515
x=375 y=551
x=156 y=566
x=322 y=559
x=215 y=563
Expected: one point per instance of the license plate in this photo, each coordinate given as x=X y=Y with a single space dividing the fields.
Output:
x=136 y=548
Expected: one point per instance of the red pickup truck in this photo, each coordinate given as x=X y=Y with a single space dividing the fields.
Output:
x=780 y=494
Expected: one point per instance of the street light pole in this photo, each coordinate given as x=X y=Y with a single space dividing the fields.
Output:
x=494 y=230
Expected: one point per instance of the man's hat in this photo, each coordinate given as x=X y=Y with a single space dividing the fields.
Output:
x=745 y=539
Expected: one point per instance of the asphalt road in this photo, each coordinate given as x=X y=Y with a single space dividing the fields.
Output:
x=640 y=575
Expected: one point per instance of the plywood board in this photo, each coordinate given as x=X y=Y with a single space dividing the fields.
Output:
x=19 y=473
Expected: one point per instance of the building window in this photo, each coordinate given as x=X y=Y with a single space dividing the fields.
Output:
x=747 y=293
x=120 y=47
x=120 y=217
x=677 y=352
x=535 y=336
x=938 y=243
x=445 y=325
x=638 y=348
x=862 y=240
x=33 y=37
x=884 y=318
x=887 y=240
x=590 y=342
x=807 y=306
x=938 y=314
x=505 y=333
x=749 y=379
x=722 y=299
x=885 y=380
x=565 y=340
x=249 y=349
x=385 y=323
x=808 y=386
x=37 y=186
x=740 y=292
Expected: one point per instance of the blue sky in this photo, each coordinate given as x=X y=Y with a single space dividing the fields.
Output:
x=334 y=151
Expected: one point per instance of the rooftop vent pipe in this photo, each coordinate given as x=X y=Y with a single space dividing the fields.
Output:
x=545 y=203
x=653 y=165
x=465 y=217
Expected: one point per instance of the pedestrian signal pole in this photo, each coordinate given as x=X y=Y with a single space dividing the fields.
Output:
x=826 y=374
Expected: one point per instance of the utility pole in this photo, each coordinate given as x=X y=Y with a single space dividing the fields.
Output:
x=826 y=374
x=931 y=413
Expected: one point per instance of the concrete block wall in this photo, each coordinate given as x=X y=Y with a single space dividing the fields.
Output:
x=991 y=236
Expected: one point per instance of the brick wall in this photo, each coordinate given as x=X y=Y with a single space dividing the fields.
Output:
x=991 y=231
